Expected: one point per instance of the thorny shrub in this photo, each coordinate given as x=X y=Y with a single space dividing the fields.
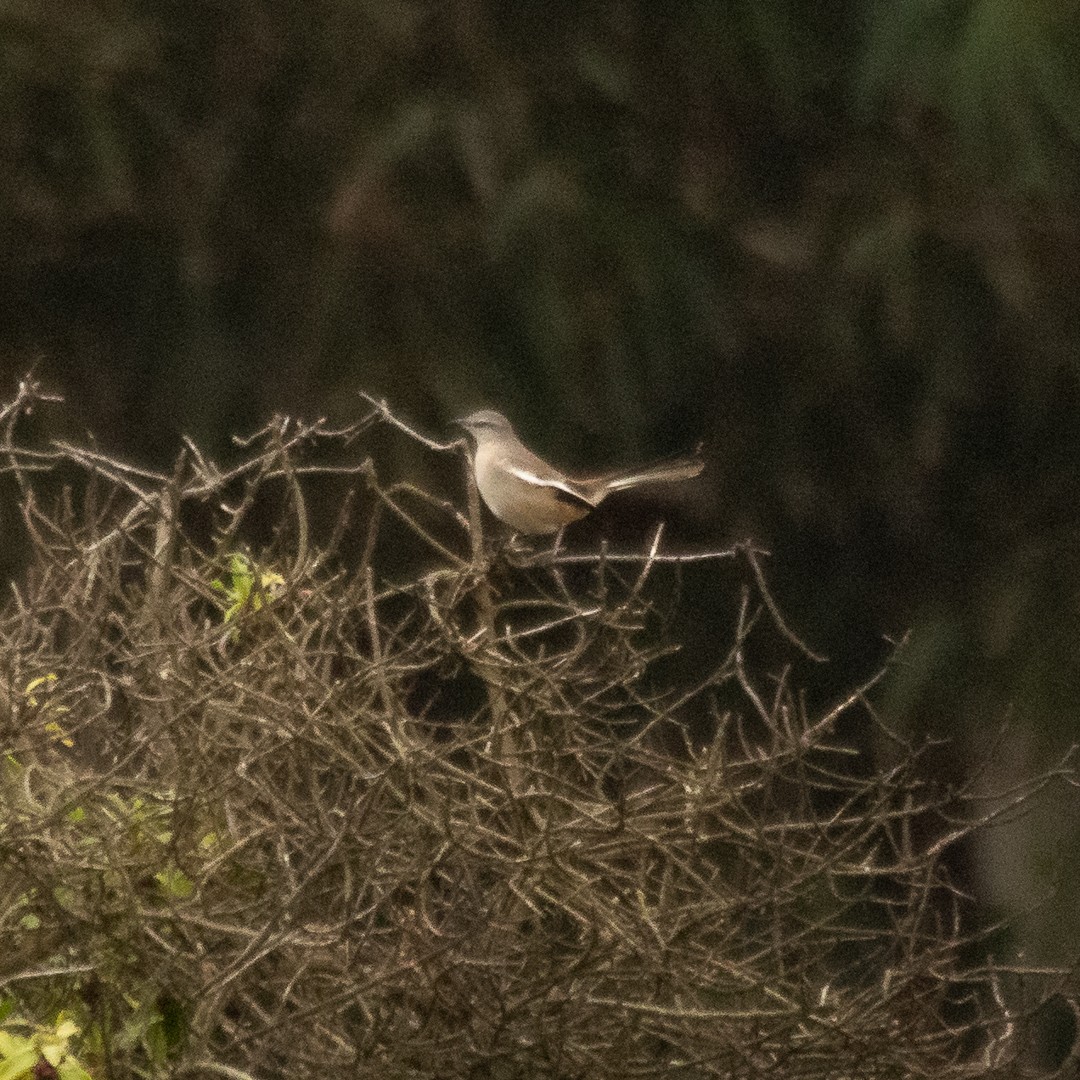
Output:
x=268 y=812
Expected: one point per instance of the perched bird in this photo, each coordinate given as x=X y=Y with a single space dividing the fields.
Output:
x=533 y=497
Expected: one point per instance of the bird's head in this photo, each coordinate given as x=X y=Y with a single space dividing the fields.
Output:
x=485 y=422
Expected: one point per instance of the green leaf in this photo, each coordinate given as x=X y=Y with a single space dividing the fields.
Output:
x=58 y=734
x=65 y=1028
x=36 y=684
x=175 y=882
x=154 y=1040
x=173 y=1022
x=72 y=1070
x=65 y=897
x=10 y=1045
x=20 y=1065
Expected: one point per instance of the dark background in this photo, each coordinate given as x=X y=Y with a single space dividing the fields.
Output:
x=838 y=241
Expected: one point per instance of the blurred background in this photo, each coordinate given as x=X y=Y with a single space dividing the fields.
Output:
x=839 y=242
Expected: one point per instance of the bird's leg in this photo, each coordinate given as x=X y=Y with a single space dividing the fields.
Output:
x=517 y=550
x=522 y=549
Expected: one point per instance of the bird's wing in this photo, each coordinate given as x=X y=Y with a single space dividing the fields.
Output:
x=548 y=478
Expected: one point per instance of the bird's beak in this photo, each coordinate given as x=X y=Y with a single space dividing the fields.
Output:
x=464 y=436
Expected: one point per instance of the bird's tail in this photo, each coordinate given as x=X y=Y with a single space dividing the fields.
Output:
x=662 y=472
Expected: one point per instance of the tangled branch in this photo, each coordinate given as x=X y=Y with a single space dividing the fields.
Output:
x=288 y=811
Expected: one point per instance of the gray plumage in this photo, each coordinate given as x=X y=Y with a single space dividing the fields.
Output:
x=530 y=495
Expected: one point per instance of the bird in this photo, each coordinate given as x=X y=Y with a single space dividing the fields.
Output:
x=533 y=497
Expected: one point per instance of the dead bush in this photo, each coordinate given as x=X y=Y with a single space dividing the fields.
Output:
x=272 y=812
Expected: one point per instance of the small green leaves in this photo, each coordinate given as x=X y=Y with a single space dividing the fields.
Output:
x=37 y=693
x=175 y=883
x=42 y=682
x=20 y=1061
x=20 y=1055
x=249 y=586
